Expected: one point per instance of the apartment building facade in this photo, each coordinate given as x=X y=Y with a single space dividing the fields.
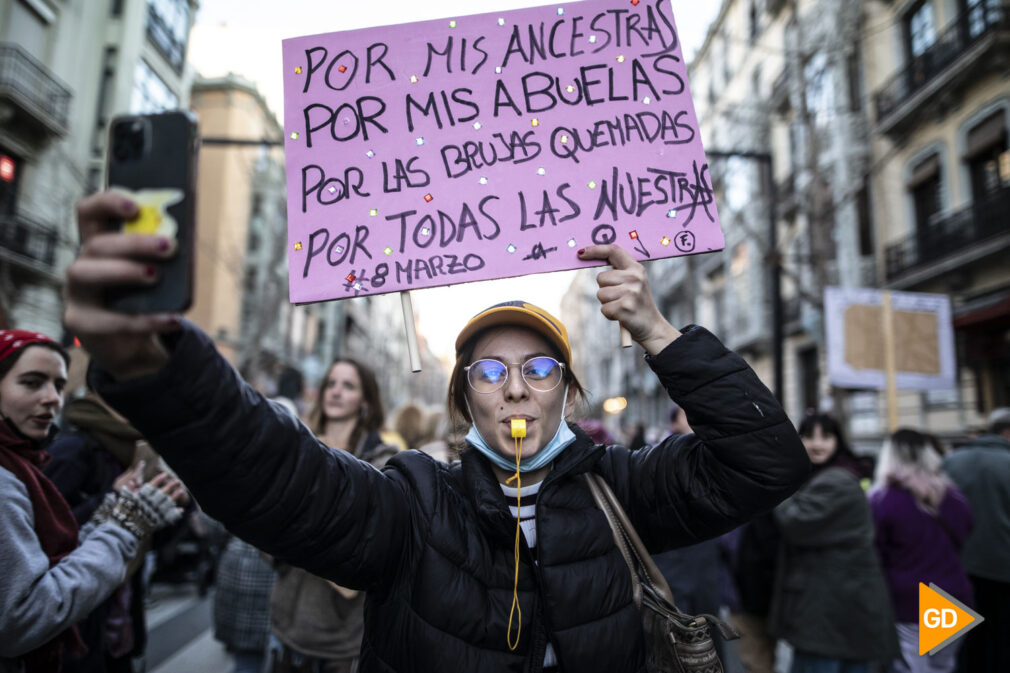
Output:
x=873 y=134
x=241 y=216
x=939 y=73
x=66 y=68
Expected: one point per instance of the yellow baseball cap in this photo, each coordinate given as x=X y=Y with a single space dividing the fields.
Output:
x=522 y=314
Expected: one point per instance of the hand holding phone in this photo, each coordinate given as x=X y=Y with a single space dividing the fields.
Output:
x=152 y=161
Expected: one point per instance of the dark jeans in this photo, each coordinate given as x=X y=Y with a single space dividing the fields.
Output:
x=987 y=646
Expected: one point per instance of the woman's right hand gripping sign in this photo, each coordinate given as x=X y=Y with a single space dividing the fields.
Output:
x=625 y=296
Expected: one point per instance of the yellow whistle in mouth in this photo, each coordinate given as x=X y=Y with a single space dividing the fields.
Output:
x=518 y=427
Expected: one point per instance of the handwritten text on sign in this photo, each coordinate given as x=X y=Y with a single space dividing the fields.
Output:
x=490 y=146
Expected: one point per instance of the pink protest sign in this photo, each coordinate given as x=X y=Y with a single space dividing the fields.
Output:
x=490 y=146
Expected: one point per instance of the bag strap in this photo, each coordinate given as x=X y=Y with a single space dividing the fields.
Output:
x=638 y=557
x=631 y=546
x=619 y=538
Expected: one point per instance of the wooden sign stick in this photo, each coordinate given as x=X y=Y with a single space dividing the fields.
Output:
x=626 y=341
x=890 y=366
x=408 y=324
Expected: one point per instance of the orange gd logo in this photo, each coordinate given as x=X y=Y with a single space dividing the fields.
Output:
x=942 y=619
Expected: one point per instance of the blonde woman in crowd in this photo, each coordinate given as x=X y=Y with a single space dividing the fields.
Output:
x=921 y=521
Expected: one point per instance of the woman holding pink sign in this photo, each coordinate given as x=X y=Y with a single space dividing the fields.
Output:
x=500 y=561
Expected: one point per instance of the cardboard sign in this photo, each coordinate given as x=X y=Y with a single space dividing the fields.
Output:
x=923 y=338
x=490 y=146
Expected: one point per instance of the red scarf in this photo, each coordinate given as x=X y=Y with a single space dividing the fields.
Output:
x=54 y=525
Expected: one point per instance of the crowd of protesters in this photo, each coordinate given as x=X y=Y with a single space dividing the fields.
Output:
x=833 y=570
x=359 y=545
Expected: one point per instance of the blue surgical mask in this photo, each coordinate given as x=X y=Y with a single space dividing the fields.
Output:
x=562 y=438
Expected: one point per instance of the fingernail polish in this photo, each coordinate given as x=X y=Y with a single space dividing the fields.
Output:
x=164 y=244
x=150 y=271
x=581 y=250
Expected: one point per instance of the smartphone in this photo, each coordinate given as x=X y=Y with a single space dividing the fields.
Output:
x=152 y=159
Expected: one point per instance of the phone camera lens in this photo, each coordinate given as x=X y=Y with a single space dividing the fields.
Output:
x=128 y=141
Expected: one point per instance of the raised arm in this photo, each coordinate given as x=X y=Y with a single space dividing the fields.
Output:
x=744 y=456
x=256 y=469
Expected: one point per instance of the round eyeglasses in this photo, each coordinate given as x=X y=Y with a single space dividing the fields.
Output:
x=541 y=373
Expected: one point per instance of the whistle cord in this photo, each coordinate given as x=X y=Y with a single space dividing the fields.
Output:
x=515 y=609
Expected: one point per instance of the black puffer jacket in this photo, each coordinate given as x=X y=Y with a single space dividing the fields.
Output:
x=433 y=544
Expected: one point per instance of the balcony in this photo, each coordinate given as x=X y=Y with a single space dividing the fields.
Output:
x=951 y=241
x=976 y=43
x=38 y=100
x=28 y=243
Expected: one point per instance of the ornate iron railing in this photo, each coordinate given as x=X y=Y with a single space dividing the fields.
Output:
x=29 y=84
x=970 y=28
x=28 y=239
x=950 y=234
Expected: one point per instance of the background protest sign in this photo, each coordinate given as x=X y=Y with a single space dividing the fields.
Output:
x=923 y=339
x=490 y=146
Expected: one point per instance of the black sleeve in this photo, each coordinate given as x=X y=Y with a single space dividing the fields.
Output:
x=743 y=458
x=261 y=472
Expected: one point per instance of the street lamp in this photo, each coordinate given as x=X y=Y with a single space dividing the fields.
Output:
x=774 y=270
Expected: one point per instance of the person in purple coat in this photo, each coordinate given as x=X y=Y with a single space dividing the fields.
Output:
x=921 y=521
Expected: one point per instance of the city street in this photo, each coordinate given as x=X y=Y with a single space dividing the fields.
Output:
x=180 y=633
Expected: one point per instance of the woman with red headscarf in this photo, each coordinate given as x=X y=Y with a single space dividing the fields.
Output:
x=53 y=573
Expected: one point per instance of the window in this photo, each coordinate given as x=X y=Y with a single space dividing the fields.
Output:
x=738 y=181
x=753 y=21
x=820 y=93
x=924 y=187
x=855 y=82
x=809 y=375
x=150 y=93
x=865 y=220
x=168 y=29
x=104 y=84
x=981 y=15
x=986 y=144
x=920 y=27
